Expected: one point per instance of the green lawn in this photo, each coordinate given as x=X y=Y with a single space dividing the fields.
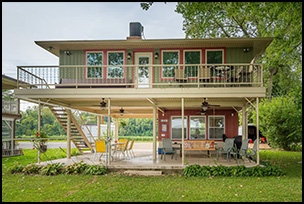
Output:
x=118 y=187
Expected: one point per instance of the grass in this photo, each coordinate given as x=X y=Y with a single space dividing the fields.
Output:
x=120 y=188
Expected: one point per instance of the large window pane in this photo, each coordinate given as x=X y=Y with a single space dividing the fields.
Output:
x=197 y=127
x=115 y=58
x=94 y=59
x=192 y=57
x=169 y=58
x=215 y=57
x=176 y=127
x=216 y=127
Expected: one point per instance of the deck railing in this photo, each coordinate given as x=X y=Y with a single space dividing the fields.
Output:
x=140 y=76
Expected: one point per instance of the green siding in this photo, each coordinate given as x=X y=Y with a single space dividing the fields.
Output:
x=237 y=55
x=76 y=58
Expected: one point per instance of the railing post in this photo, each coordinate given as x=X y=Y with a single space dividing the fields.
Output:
x=17 y=77
x=76 y=77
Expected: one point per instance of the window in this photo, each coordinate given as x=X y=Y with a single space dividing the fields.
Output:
x=214 y=57
x=115 y=58
x=176 y=127
x=216 y=127
x=169 y=57
x=94 y=58
x=197 y=127
x=192 y=57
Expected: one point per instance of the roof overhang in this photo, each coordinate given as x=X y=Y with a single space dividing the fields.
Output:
x=11 y=83
x=258 y=44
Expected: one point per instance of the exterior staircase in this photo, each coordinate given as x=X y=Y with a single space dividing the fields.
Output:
x=78 y=137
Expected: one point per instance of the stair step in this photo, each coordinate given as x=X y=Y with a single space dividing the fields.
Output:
x=143 y=173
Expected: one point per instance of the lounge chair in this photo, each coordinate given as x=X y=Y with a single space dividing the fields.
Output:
x=167 y=148
x=229 y=143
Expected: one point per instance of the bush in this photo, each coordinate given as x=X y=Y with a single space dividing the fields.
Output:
x=75 y=168
x=95 y=170
x=280 y=121
x=238 y=171
x=16 y=168
x=52 y=169
x=31 y=169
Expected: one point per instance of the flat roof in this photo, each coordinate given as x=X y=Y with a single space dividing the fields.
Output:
x=258 y=44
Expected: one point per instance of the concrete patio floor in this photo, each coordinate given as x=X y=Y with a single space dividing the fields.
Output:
x=143 y=160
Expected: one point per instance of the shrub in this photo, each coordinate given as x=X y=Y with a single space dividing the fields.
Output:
x=75 y=168
x=31 y=169
x=95 y=170
x=238 y=171
x=52 y=169
x=280 y=121
x=16 y=168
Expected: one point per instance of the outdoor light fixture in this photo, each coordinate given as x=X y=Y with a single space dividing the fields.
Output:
x=156 y=55
x=67 y=52
x=129 y=56
x=50 y=48
x=246 y=49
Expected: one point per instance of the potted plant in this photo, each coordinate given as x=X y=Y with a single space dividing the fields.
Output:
x=38 y=142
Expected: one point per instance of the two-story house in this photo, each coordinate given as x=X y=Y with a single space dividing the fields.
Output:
x=205 y=81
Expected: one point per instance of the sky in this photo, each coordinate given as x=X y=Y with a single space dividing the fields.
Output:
x=26 y=22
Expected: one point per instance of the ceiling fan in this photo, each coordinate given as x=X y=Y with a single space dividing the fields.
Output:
x=205 y=105
x=102 y=105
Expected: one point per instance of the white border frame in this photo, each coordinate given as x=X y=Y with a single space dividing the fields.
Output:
x=223 y=51
x=187 y=129
x=210 y=116
x=200 y=116
x=123 y=74
x=162 y=63
x=87 y=68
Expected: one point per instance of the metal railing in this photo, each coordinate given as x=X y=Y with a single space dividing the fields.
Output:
x=140 y=76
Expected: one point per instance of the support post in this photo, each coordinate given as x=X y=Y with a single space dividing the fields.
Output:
x=257 y=131
x=98 y=127
x=109 y=132
x=39 y=129
x=68 y=133
x=154 y=133
x=183 y=134
x=243 y=122
x=116 y=129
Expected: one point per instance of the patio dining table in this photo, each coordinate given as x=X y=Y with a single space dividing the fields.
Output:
x=115 y=145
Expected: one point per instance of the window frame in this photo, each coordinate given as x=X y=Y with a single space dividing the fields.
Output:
x=162 y=62
x=197 y=116
x=87 y=68
x=186 y=136
x=206 y=55
x=209 y=127
x=184 y=58
x=123 y=69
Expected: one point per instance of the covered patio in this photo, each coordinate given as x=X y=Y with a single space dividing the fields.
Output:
x=143 y=160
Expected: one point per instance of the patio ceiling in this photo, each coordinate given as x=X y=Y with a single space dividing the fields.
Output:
x=143 y=107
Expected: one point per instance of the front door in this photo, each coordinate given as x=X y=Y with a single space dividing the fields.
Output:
x=144 y=74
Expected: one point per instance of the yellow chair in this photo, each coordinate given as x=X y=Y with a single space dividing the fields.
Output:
x=130 y=149
x=100 y=148
x=120 y=147
x=124 y=149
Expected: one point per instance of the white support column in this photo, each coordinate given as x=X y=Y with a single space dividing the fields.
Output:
x=39 y=129
x=68 y=133
x=98 y=126
x=243 y=122
x=154 y=133
x=183 y=134
x=109 y=132
x=257 y=131
x=116 y=129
